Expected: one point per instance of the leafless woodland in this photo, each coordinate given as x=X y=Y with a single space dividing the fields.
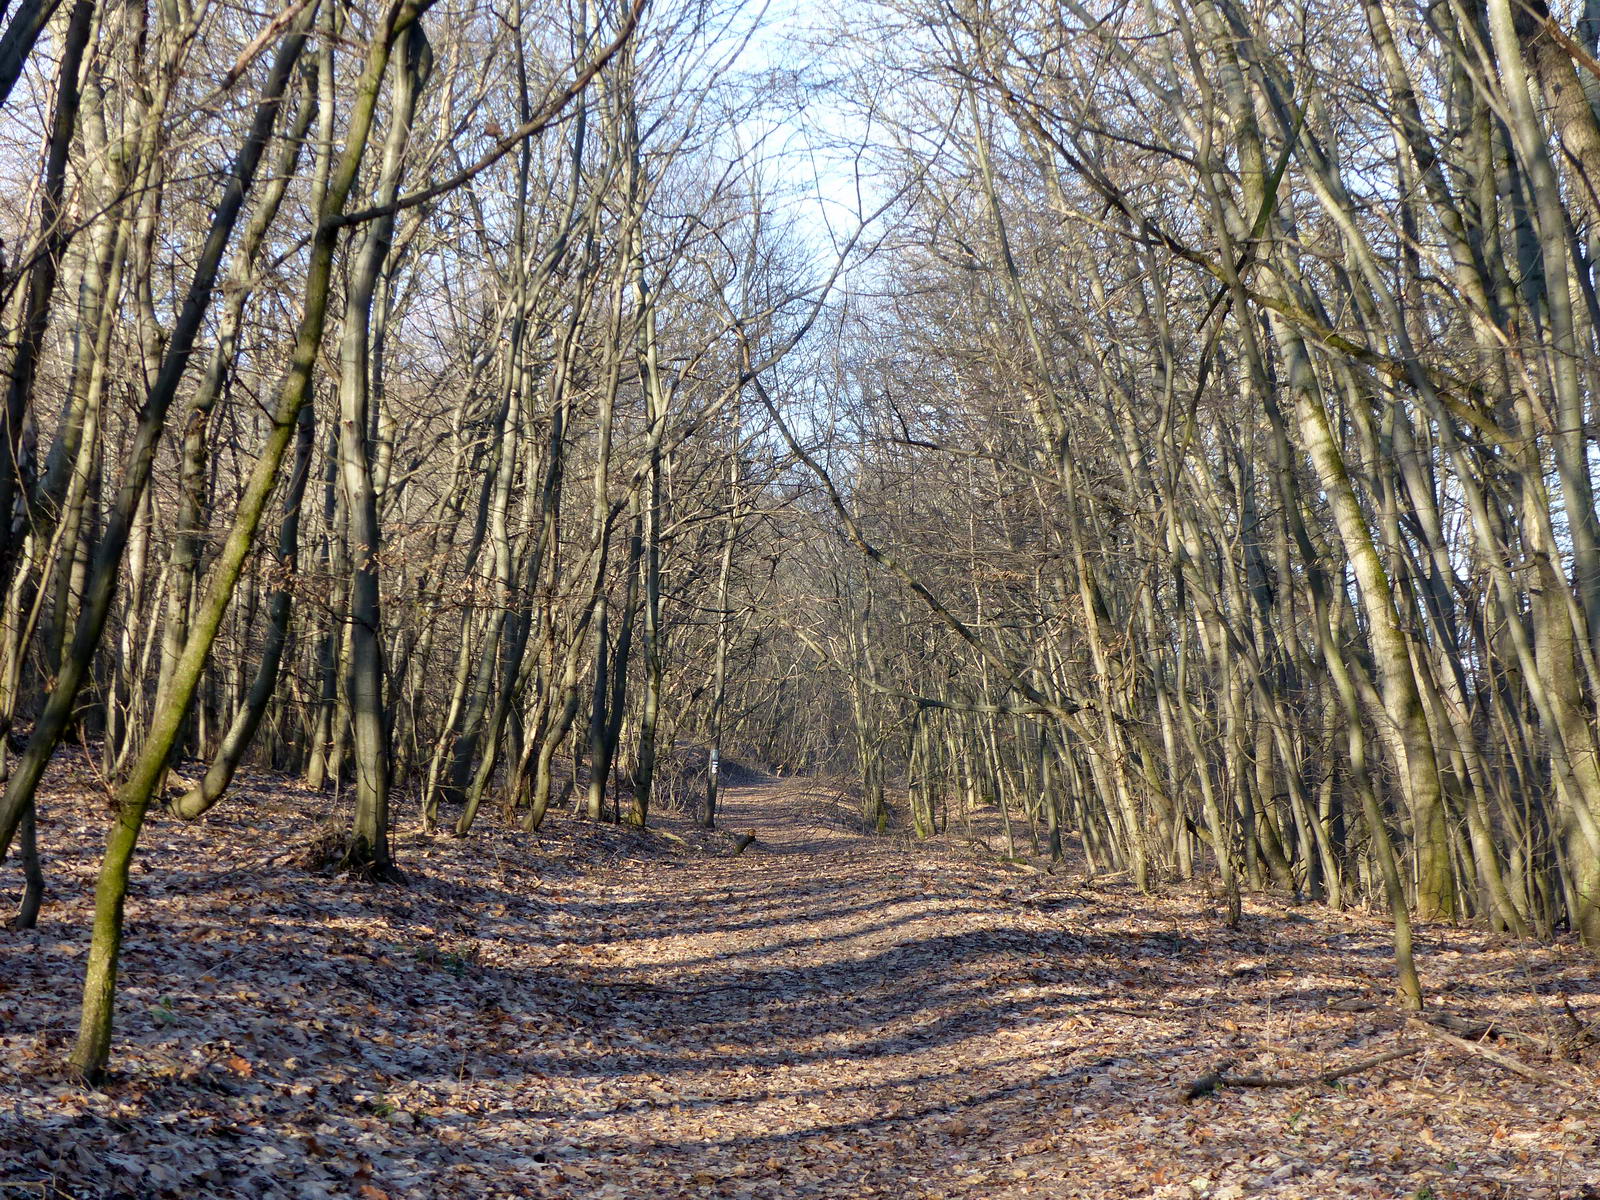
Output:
x=1164 y=431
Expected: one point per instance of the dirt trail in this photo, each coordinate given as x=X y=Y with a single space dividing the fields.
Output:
x=830 y=1015
x=827 y=1015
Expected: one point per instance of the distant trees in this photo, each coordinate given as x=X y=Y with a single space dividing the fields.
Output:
x=1233 y=383
x=368 y=376
x=419 y=398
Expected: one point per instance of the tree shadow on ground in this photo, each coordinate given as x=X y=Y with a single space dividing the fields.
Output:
x=741 y=1021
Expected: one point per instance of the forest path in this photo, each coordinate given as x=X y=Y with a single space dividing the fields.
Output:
x=839 y=1015
x=826 y=1015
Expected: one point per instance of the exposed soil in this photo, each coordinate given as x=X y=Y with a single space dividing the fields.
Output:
x=606 y=1013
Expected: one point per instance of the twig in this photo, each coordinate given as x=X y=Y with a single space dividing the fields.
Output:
x=1218 y=1076
x=1514 y=1065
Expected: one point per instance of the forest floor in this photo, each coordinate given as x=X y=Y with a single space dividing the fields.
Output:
x=605 y=1013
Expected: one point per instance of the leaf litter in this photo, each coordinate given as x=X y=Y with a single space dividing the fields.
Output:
x=603 y=1012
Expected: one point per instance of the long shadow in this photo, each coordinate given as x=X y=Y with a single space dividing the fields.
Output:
x=876 y=928
x=896 y=1016
x=663 y=924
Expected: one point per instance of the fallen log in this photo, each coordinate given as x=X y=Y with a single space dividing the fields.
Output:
x=1207 y=1083
x=1515 y=1065
x=1218 y=1076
